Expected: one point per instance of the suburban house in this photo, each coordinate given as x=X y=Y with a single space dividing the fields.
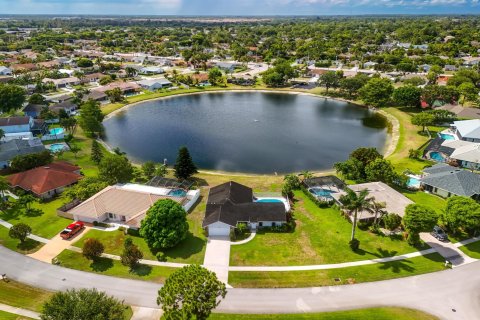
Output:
x=231 y=203
x=151 y=70
x=16 y=124
x=63 y=82
x=128 y=204
x=4 y=71
x=47 y=181
x=68 y=106
x=395 y=201
x=93 y=77
x=228 y=67
x=126 y=87
x=468 y=130
x=446 y=181
x=18 y=147
x=33 y=110
x=154 y=84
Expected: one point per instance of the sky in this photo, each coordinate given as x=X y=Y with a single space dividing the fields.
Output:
x=239 y=7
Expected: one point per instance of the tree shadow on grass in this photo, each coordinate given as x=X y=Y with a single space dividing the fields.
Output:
x=397 y=266
x=142 y=270
x=28 y=245
x=32 y=212
x=188 y=247
x=101 y=264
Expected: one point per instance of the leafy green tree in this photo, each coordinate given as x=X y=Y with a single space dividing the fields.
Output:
x=215 y=76
x=165 y=224
x=70 y=124
x=329 y=79
x=115 y=169
x=365 y=155
x=83 y=304
x=26 y=201
x=462 y=213
x=469 y=92
x=131 y=255
x=191 y=293
x=352 y=85
x=380 y=170
x=392 y=221
x=12 y=97
x=161 y=171
x=20 y=231
x=37 y=98
x=30 y=161
x=418 y=218
x=433 y=74
x=74 y=149
x=446 y=94
x=378 y=209
x=91 y=117
x=355 y=202
x=423 y=119
x=96 y=154
x=4 y=186
x=407 y=96
x=92 y=249
x=184 y=165
x=377 y=92
x=84 y=63
x=85 y=188
x=292 y=180
x=115 y=95
x=148 y=169
x=279 y=74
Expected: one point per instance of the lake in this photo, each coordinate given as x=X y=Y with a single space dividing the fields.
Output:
x=250 y=132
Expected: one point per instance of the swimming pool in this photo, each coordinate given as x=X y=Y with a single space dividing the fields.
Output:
x=178 y=193
x=269 y=200
x=320 y=192
x=446 y=136
x=437 y=156
x=413 y=182
x=57 y=131
x=56 y=147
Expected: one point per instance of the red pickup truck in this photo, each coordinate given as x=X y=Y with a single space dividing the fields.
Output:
x=72 y=230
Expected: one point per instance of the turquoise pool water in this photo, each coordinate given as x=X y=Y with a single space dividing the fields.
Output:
x=446 y=136
x=322 y=192
x=57 y=131
x=437 y=156
x=56 y=147
x=269 y=200
x=177 y=193
x=413 y=182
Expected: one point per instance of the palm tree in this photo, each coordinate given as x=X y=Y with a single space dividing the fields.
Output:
x=355 y=202
x=306 y=175
x=378 y=208
x=3 y=187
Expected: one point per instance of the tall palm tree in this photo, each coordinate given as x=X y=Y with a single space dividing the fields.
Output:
x=306 y=175
x=354 y=203
x=378 y=208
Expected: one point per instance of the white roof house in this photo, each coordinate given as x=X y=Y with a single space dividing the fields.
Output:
x=468 y=130
x=154 y=84
x=151 y=70
x=465 y=152
x=4 y=71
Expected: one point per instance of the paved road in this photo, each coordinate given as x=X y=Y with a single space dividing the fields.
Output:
x=436 y=293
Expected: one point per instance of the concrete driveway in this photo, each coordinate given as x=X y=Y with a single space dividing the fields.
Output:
x=217 y=256
x=447 y=250
x=55 y=246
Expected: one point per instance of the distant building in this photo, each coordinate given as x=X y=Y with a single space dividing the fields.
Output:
x=154 y=84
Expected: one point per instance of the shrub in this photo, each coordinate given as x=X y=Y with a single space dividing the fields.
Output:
x=20 y=231
x=392 y=221
x=161 y=256
x=92 y=249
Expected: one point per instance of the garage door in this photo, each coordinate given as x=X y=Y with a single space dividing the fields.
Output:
x=222 y=231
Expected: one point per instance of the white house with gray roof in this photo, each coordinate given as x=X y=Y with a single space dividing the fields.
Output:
x=154 y=84
x=446 y=181
x=467 y=130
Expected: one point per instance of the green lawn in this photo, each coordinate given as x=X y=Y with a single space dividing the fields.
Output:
x=11 y=316
x=321 y=237
x=45 y=225
x=375 y=272
x=22 y=296
x=75 y=260
x=429 y=200
x=391 y=313
x=29 y=246
x=472 y=249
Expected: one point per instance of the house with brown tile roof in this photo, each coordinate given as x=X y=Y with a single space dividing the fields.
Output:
x=47 y=181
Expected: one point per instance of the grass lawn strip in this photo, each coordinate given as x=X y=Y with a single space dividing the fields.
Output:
x=375 y=272
x=361 y=314
x=10 y=316
x=19 y=295
x=29 y=246
x=472 y=249
x=109 y=267
x=321 y=237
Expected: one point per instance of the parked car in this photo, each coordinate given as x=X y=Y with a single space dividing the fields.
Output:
x=72 y=230
x=439 y=234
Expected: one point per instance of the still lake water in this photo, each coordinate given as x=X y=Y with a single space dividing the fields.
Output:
x=253 y=132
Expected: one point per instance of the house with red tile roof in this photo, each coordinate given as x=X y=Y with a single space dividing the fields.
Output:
x=47 y=181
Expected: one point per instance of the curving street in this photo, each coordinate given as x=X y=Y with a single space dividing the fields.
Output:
x=452 y=294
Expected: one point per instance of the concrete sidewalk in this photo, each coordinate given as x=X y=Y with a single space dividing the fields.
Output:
x=142 y=313
x=19 y=311
x=217 y=256
x=447 y=250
